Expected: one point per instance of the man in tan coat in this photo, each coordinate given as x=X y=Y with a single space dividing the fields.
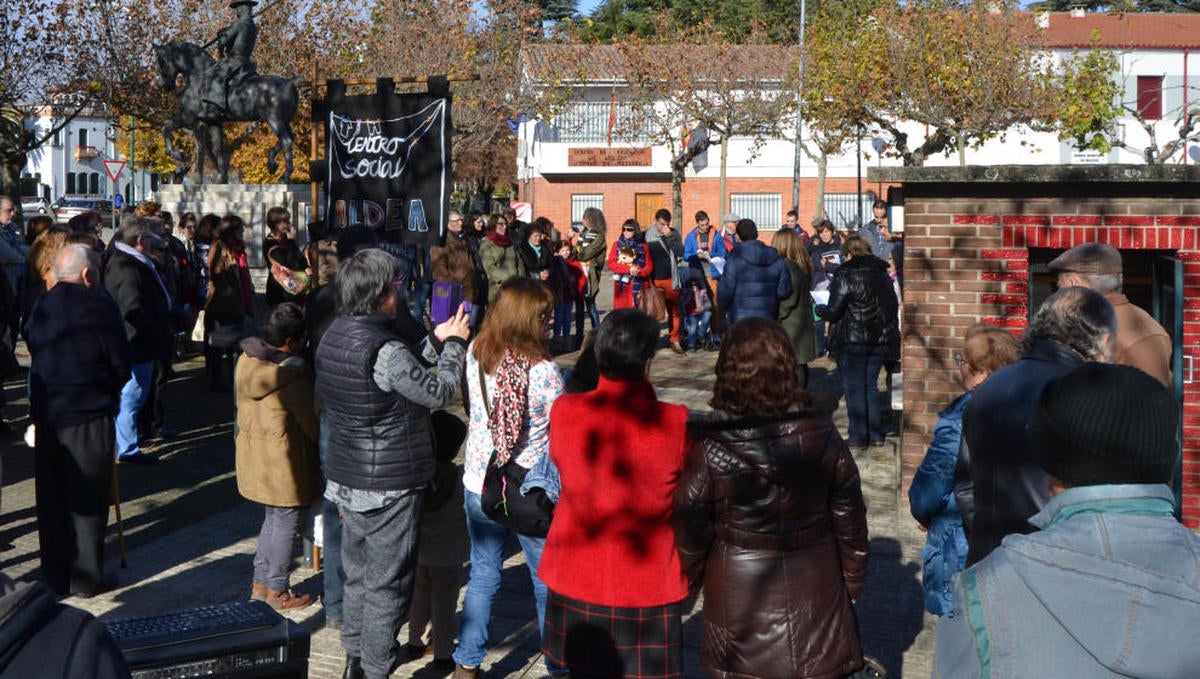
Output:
x=277 y=463
x=1141 y=341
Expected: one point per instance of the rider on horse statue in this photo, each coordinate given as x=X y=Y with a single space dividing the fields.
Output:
x=235 y=44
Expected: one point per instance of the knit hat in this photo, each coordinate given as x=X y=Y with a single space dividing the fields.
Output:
x=1088 y=259
x=1104 y=423
x=730 y=217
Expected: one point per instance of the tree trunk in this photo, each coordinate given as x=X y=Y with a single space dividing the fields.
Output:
x=724 y=161
x=960 y=140
x=677 y=192
x=822 y=167
x=11 y=165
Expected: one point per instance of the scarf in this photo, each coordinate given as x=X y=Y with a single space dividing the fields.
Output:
x=500 y=239
x=511 y=396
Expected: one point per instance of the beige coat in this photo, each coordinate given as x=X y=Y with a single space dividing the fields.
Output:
x=277 y=430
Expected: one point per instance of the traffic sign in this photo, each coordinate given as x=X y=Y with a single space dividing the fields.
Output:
x=114 y=168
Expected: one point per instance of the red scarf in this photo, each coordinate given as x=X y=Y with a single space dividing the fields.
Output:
x=500 y=239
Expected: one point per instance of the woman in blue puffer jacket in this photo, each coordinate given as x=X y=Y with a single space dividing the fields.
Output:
x=931 y=496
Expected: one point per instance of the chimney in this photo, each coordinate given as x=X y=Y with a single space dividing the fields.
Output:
x=1077 y=11
x=1043 y=20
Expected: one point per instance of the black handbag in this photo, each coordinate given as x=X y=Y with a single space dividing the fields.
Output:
x=501 y=498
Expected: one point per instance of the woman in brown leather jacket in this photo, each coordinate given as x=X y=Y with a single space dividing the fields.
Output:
x=770 y=520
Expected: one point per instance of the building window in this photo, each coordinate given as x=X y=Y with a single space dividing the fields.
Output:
x=581 y=202
x=70 y=183
x=843 y=209
x=1149 y=97
x=597 y=122
x=94 y=183
x=83 y=135
x=766 y=209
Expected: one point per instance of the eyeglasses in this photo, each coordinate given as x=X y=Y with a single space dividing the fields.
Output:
x=627 y=229
x=457 y=219
x=960 y=360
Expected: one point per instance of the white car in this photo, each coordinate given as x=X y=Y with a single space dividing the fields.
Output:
x=32 y=205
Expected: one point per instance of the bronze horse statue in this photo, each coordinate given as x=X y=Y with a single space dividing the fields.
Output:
x=269 y=99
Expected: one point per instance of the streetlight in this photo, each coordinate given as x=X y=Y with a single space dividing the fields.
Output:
x=877 y=144
x=799 y=116
x=858 y=159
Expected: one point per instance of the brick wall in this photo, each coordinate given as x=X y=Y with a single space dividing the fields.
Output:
x=967 y=260
x=552 y=198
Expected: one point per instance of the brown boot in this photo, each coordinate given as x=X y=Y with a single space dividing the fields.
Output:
x=284 y=600
x=258 y=591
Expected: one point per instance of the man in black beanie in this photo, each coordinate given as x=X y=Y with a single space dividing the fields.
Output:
x=1108 y=587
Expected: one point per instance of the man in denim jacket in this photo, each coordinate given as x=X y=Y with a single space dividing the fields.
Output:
x=1108 y=587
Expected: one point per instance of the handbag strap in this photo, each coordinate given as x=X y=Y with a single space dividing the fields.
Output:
x=487 y=409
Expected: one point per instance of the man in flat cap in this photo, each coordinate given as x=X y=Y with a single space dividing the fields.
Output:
x=1107 y=587
x=1141 y=341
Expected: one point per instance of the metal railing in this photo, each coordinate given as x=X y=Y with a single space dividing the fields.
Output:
x=766 y=209
x=843 y=209
x=588 y=123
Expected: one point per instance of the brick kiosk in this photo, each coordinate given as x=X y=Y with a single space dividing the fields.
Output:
x=976 y=243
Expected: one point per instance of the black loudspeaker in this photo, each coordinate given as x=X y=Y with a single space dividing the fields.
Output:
x=236 y=640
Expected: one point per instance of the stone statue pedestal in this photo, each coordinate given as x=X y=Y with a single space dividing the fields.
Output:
x=248 y=201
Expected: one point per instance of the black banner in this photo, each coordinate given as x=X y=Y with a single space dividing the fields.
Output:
x=389 y=164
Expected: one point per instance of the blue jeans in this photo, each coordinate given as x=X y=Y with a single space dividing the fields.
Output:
x=697 y=326
x=487 y=560
x=133 y=397
x=331 y=540
x=477 y=313
x=592 y=312
x=418 y=299
x=562 y=318
x=859 y=366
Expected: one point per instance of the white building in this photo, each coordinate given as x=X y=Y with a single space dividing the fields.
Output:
x=71 y=163
x=570 y=162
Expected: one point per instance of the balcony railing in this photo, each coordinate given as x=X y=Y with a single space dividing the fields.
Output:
x=86 y=153
x=588 y=123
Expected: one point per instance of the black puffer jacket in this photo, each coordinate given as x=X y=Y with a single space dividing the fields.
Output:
x=863 y=303
x=770 y=519
x=378 y=440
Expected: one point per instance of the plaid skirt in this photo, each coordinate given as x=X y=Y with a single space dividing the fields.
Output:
x=602 y=641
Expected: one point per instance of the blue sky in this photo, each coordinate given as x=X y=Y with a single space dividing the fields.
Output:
x=586 y=6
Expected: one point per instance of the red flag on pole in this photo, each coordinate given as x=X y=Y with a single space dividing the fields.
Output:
x=612 y=115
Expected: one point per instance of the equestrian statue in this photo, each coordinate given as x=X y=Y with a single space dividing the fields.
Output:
x=230 y=90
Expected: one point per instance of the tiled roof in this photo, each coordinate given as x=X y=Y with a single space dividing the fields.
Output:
x=607 y=63
x=1146 y=30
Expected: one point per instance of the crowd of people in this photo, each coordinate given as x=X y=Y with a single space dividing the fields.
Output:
x=622 y=504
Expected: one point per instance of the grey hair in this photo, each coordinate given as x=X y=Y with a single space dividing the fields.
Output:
x=363 y=280
x=1103 y=283
x=71 y=260
x=593 y=218
x=133 y=228
x=1078 y=318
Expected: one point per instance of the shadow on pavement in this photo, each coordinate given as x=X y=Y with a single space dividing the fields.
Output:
x=890 y=610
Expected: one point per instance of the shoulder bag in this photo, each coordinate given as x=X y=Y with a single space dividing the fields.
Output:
x=501 y=497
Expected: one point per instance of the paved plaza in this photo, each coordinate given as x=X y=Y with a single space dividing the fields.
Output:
x=190 y=538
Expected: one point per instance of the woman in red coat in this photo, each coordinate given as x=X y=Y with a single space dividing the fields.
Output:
x=630 y=266
x=616 y=583
x=771 y=520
